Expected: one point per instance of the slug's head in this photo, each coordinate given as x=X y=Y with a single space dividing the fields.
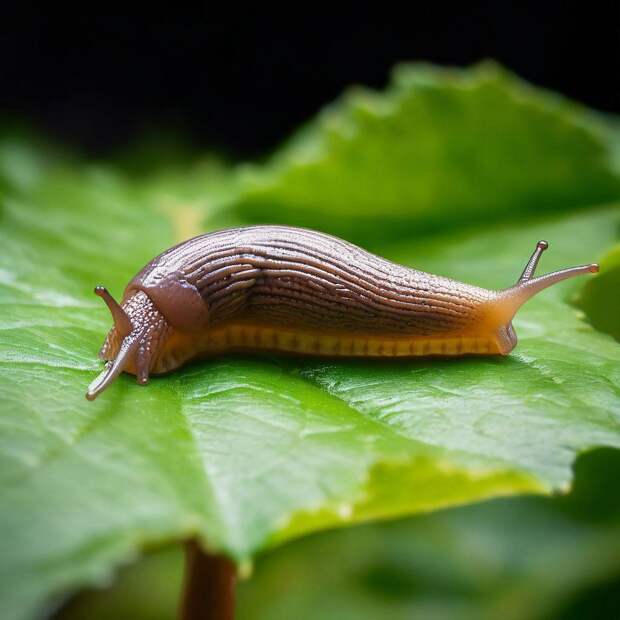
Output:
x=505 y=304
x=133 y=343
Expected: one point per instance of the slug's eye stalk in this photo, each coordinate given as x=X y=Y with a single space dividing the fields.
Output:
x=530 y=268
x=121 y=320
x=527 y=286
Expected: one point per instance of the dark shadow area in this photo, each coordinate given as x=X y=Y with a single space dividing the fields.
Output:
x=100 y=80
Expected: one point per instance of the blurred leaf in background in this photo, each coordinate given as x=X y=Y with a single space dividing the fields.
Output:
x=458 y=173
x=519 y=558
x=441 y=149
x=594 y=298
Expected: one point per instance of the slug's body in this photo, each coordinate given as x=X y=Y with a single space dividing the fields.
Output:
x=304 y=292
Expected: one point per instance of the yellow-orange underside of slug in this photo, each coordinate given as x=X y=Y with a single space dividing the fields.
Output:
x=181 y=347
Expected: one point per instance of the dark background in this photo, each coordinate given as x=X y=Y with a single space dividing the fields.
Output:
x=99 y=81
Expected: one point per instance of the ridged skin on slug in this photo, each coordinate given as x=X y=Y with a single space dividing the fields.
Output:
x=304 y=292
x=146 y=319
x=305 y=279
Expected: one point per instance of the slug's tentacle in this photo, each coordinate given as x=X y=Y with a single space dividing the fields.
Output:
x=149 y=346
x=511 y=299
x=530 y=268
x=138 y=350
x=121 y=320
x=528 y=289
x=114 y=368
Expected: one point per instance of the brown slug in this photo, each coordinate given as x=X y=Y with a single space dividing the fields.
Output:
x=300 y=291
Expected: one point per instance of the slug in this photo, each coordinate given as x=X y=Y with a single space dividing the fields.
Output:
x=294 y=290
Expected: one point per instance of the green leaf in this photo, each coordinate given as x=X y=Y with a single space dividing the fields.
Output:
x=518 y=558
x=600 y=297
x=247 y=452
x=441 y=148
x=521 y=558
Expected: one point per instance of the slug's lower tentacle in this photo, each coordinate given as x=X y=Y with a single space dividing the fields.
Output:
x=147 y=350
x=113 y=369
x=137 y=351
x=143 y=360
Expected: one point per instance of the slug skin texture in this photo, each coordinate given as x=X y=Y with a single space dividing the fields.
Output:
x=298 y=291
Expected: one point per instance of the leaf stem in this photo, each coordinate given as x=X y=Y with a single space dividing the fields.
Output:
x=209 y=588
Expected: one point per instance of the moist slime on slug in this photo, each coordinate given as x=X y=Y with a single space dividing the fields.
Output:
x=295 y=290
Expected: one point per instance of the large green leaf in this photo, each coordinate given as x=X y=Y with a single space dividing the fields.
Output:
x=245 y=452
x=518 y=558
x=439 y=149
x=600 y=297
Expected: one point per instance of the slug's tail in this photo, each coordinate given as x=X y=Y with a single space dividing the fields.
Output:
x=527 y=285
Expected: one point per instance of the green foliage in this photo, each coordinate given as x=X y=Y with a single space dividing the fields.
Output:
x=518 y=558
x=247 y=452
x=441 y=148
x=600 y=297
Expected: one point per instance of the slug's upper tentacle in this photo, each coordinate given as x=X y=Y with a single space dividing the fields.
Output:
x=511 y=299
x=527 y=290
x=530 y=268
